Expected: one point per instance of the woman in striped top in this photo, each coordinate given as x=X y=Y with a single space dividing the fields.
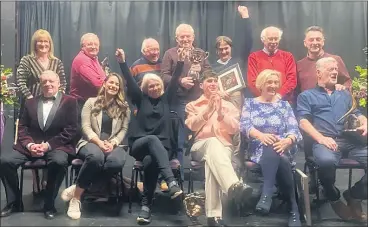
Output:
x=41 y=58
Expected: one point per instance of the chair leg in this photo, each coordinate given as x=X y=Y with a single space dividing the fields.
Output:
x=66 y=178
x=37 y=179
x=76 y=172
x=21 y=189
x=71 y=174
x=131 y=191
x=117 y=185
x=350 y=179
x=180 y=179
x=189 y=180
x=142 y=176
x=317 y=193
x=121 y=184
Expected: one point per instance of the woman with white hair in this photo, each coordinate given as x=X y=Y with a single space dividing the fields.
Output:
x=271 y=128
x=149 y=139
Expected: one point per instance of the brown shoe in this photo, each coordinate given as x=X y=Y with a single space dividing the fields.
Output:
x=355 y=207
x=341 y=210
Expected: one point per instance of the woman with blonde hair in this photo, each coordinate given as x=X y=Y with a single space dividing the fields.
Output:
x=105 y=121
x=40 y=59
x=272 y=131
x=29 y=70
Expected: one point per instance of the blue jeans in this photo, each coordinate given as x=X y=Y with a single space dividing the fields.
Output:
x=327 y=161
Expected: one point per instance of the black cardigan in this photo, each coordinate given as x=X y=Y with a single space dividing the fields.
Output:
x=153 y=115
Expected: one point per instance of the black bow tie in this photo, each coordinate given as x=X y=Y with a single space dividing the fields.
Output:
x=52 y=98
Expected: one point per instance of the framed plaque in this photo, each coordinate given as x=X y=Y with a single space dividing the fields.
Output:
x=231 y=79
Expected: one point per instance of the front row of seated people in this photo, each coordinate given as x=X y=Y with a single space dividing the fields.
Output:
x=49 y=124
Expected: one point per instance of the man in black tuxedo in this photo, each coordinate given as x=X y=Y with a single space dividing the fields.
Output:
x=46 y=131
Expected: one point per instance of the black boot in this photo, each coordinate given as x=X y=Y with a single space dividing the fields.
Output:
x=11 y=208
x=294 y=219
x=240 y=192
x=264 y=204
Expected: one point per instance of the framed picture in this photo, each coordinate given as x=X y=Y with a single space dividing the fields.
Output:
x=231 y=79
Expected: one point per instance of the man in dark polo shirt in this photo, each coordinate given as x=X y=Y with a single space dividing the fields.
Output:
x=319 y=110
x=314 y=43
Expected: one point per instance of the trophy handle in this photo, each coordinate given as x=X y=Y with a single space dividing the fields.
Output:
x=206 y=55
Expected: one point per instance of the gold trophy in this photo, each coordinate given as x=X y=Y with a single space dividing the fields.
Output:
x=194 y=204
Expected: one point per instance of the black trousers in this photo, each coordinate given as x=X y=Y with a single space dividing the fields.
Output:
x=99 y=164
x=277 y=169
x=155 y=158
x=57 y=164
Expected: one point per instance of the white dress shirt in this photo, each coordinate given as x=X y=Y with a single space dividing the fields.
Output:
x=46 y=107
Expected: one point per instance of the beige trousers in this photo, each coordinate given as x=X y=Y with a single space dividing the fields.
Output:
x=219 y=173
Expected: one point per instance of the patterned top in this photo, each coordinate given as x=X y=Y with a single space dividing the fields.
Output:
x=274 y=118
x=29 y=71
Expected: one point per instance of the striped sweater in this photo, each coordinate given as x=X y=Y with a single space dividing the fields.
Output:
x=29 y=71
x=142 y=66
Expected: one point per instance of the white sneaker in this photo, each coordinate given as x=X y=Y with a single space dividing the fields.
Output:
x=74 y=209
x=68 y=193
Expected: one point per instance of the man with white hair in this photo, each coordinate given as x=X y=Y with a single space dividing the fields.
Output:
x=314 y=43
x=87 y=75
x=149 y=62
x=270 y=57
x=319 y=111
x=189 y=89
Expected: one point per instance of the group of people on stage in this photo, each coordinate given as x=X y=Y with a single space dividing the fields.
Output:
x=284 y=103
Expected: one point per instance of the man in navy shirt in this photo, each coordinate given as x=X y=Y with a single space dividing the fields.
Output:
x=319 y=110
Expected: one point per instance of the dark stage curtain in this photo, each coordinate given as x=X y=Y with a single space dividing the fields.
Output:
x=126 y=24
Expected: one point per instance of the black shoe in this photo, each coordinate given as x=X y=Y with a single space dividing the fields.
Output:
x=144 y=216
x=240 y=192
x=294 y=220
x=216 y=222
x=264 y=204
x=11 y=208
x=50 y=214
x=174 y=190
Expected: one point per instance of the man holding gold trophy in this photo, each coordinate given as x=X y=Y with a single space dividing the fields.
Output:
x=189 y=89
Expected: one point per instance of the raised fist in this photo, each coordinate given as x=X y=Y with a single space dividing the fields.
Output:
x=121 y=57
x=244 y=11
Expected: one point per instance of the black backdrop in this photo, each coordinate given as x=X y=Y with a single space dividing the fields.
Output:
x=126 y=24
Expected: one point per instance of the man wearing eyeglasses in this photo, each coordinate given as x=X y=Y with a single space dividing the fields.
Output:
x=270 y=57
